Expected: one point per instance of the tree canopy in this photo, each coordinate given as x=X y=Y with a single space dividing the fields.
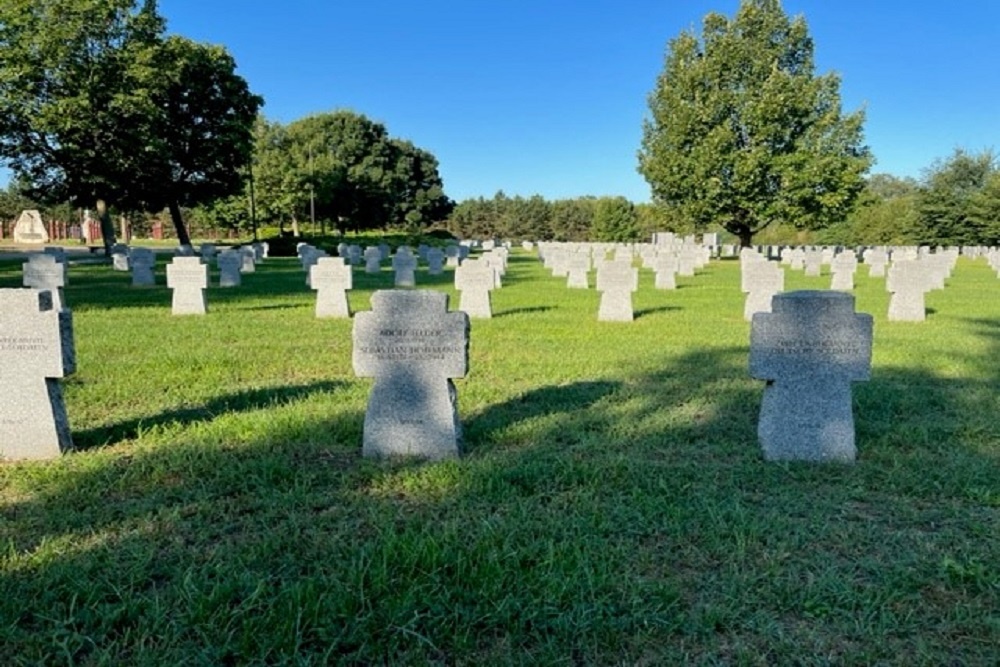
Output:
x=741 y=133
x=345 y=168
x=97 y=107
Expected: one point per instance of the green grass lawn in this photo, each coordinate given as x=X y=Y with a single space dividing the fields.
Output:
x=611 y=507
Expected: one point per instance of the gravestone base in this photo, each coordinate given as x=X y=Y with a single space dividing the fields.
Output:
x=807 y=423
x=396 y=425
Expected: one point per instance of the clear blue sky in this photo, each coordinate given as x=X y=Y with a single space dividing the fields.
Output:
x=548 y=96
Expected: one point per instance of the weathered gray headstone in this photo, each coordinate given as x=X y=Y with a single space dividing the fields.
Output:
x=188 y=278
x=142 y=261
x=230 y=263
x=908 y=282
x=331 y=277
x=405 y=266
x=474 y=279
x=665 y=266
x=616 y=281
x=36 y=348
x=843 y=266
x=413 y=347
x=373 y=259
x=810 y=348
x=44 y=272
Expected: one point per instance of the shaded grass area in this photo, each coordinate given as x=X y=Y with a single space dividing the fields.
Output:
x=611 y=506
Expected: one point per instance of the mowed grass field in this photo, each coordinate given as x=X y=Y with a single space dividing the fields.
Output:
x=611 y=506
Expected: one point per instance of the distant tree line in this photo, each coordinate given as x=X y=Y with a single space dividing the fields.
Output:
x=956 y=202
x=536 y=218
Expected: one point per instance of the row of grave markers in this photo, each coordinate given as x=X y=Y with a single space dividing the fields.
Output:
x=810 y=348
x=909 y=276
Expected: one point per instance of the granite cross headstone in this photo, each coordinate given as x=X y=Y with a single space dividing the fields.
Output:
x=413 y=347
x=331 y=277
x=810 y=348
x=616 y=281
x=45 y=272
x=188 y=278
x=474 y=279
x=36 y=348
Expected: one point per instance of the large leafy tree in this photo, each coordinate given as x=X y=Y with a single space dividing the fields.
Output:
x=98 y=108
x=742 y=133
x=75 y=103
x=347 y=169
x=953 y=205
x=203 y=139
x=615 y=220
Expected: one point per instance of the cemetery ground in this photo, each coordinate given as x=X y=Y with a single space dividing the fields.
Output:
x=611 y=505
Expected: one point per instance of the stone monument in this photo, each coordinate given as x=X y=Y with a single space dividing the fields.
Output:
x=36 y=348
x=188 y=278
x=331 y=277
x=810 y=348
x=413 y=347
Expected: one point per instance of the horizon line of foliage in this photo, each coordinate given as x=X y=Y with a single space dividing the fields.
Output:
x=955 y=202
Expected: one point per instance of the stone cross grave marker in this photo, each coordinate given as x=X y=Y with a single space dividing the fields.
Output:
x=907 y=281
x=577 y=270
x=761 y=280
x=405 y=266
x=373 y=259
x=36 y=348
x=414 y=348
x=188 y=278
x=876 y=259
x=843 y=266
x=810 y=348
x=435 y=261
x=331 y=277
x=665 y=266
x=474 y=279
x=45 y=272
x=616 y=281
x=230 y=263
x=143 y=261
x=813 y=262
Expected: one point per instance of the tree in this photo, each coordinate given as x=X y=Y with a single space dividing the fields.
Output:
x=203 y=139
x=74 y=96
x=98 y=108
x=346 y=169
x=615 y=220
x=572 y=219
x=984 y=210
x=741 y=133
x=945 y=203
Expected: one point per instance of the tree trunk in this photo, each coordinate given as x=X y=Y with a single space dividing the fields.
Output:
x=295 y=227
x=175 y=216
x=746 y=237
x=107 y=226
